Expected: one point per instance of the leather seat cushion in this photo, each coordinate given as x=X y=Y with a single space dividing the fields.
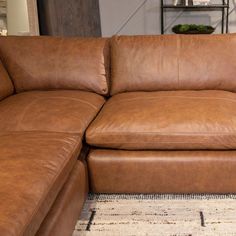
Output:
x=33 y=168
x=166 y=120
x=58 y=111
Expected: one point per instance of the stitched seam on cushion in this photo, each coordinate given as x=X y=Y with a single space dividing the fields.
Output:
x=38 y=96
x=23 y=113
x=151 y=142
x=38 y=99
x=48 y=189
x=74 y=99
x=162 y=133
x=10 y=132
x=159 y=97
x=47 y=95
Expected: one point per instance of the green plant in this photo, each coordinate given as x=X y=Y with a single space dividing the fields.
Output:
x=184 y=28
x=192 y=28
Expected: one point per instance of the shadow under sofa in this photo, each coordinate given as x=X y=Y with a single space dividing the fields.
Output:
x=130 y=114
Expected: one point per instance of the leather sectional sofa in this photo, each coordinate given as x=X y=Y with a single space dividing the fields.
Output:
x=131 y=114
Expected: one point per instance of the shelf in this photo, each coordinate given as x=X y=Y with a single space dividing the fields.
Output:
x=212 y=6
x=223 y=7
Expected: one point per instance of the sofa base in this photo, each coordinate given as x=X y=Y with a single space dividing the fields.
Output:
x=114 y=171
x=65 y=211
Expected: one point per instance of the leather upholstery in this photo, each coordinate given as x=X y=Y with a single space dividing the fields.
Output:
x=173 y=62
x=186 y=140
x=113 y=171
x=65 y=211
x=166 y=120
x=6 y=87
x=57 y=111
x=33 y=169
x=43 y=63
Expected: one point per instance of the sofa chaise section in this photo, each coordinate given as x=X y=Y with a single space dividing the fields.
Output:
x=33 y=169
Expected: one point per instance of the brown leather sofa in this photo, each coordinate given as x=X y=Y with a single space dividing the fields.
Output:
x=131 y=114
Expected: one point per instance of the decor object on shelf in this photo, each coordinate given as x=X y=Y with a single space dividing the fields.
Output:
x=201 y=2
x=183 y=2
x=175 y=2
x=193 y=29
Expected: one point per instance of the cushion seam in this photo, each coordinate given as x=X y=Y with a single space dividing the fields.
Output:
x=160 y=97
x=162 y=133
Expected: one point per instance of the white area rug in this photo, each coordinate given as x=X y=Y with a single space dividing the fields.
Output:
x=172 y=215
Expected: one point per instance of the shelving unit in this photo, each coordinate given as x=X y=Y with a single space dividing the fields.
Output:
x=224 y=8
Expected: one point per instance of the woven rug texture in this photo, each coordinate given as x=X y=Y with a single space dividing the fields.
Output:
x=172 y=215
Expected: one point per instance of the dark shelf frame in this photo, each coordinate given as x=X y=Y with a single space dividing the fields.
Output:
x=224 y=8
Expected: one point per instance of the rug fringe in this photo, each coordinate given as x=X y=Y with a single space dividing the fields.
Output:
x=161 y=196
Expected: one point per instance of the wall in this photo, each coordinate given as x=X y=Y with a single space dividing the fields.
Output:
x=147 y=19
x=17 y=17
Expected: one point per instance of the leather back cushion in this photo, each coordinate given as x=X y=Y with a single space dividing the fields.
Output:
x=173 y=62
x=6 y=86
x=44 y=63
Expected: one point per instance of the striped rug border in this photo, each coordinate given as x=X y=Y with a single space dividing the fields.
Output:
x=92 y=196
